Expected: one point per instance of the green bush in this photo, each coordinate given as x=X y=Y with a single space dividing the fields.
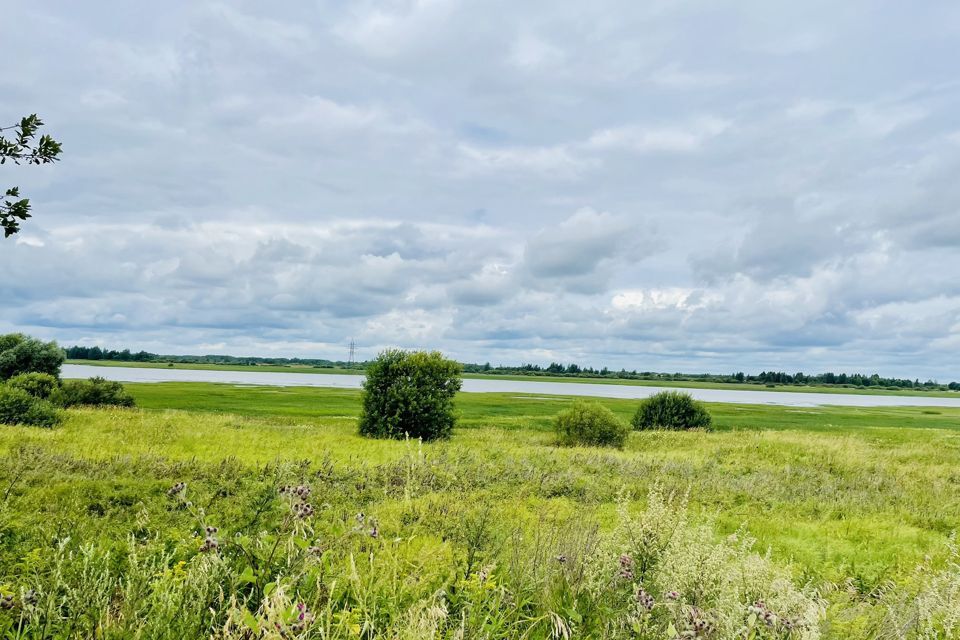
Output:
x=19 y=407
x=592 y=424
x=671 y=410
x=97 y=392
x=409 y=394
x=23 y=354
x=39 y=385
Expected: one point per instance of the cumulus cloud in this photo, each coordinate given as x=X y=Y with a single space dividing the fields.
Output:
x=744 y=187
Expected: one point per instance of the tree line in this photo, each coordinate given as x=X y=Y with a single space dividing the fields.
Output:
x=764 y=377
x=553 y=369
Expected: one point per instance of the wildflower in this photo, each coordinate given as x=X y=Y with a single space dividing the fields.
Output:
x=177 y=489
x=315 y=550
x=626 y=567
x=360 y=518
x=644 y=599
x=374 y=532
x=304 y=617
x=302 y=510
x=6 y=602
x=210 y=543
x=764 y=614
x=700 y=626
x=673 y=595
x=562 y=559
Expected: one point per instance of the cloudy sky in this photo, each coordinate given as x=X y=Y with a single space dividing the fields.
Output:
x=666 y=185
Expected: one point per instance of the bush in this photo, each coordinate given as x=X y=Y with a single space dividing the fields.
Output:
x=96 y=392
x=592 y=424
x=39 y=385
x=19 y=407
x=22 y=354
x=671 y=410
x=409 y=393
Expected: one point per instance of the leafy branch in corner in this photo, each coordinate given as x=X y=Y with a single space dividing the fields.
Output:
x=20 y=147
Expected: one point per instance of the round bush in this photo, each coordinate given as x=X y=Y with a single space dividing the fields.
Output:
x=671 y=410
x=19 y=407
x=39 y=385
x=409 y=394
x=96 y=392
x=591 y=424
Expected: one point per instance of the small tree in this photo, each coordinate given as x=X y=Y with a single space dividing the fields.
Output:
x=410 y=394
x=22 y=354
x=590 y=424
x=671 y=410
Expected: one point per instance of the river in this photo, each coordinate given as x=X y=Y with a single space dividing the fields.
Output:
x=534 y=387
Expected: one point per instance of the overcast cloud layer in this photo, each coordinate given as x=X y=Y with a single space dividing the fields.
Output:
x=662 y=185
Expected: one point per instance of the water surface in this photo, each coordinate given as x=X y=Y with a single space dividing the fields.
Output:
x=340 y=381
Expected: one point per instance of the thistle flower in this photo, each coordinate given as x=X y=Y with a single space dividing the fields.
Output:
x=644 y=599
x=304 y=618
x=210 y=542
x=673 y=595
x=626 y=567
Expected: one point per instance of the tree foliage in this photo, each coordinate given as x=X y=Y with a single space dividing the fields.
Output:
x=671 y=410
x=410 y=394
x=23 y=354
x=19 y=147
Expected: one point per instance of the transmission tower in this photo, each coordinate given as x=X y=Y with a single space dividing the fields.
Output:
x=353 y=353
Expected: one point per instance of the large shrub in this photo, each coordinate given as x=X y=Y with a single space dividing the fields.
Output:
x=23 y=354
x=19 y=407
x=39 y=385
x=95 y=392
x=671 y=410
x=592 y=424
x=410 y=394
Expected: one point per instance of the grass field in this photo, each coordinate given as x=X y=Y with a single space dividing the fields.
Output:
x=678 y=384
x=467 y=533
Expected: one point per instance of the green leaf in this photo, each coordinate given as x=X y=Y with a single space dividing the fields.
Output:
x=251 y=621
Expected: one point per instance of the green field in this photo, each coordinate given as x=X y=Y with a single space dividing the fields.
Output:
x=679 y=384
x=467 y=533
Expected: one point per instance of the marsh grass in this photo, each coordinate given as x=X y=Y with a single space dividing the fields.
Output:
x=844 y=505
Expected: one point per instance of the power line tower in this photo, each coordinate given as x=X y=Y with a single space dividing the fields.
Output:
x=351 y=360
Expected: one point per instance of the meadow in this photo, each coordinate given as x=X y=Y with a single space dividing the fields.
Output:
x=496 y=533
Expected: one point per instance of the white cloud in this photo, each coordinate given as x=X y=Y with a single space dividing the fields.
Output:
x=668 y=139
x=532 y=53
x=558 y=160
x=665 y=186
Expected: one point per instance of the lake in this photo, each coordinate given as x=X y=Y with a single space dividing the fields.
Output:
x=257 y=378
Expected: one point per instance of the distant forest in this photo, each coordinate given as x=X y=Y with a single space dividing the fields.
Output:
x=770 y=378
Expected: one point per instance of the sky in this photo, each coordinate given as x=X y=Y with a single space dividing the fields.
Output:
x=665 y=185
